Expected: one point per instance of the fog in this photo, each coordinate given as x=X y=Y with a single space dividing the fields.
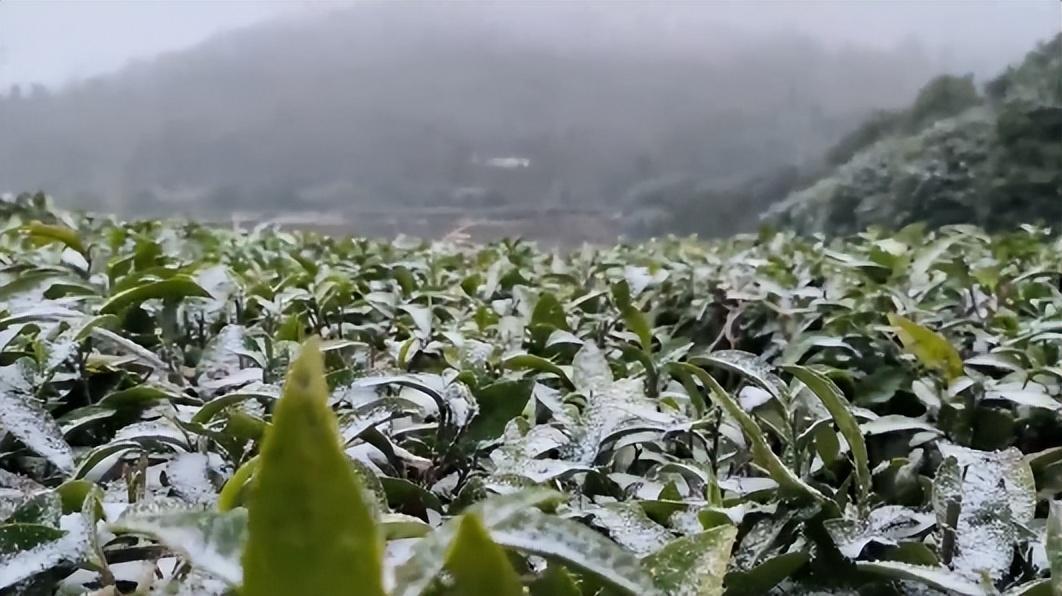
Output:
x=418 y=117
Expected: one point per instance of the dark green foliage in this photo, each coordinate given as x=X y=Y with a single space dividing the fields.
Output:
x=950 y=158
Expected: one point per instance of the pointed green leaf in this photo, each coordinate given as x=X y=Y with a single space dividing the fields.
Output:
x=477 y=564
x=42 y=233
x=841 y=411
x=174 y=288
x=310 y=528
x=633 y=318
x=536 y=363
x=548 y=311
x=930 y=347
x=428 y=558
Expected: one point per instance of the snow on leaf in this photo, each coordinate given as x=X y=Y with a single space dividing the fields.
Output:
x=996 y=493
x=224 y=356
x=188 y=475
x=693 y=565
x=616 y=408
x=1053 y=544
x=23 y=417
x=590 y=371
x=630 y=527
x=210 y=541
x=751 y=366
x=28 y=549
x=936 y=577
x=896 y=423
x=427 y=557
x=885 y=525
x=1024 y=394
x=531 y=531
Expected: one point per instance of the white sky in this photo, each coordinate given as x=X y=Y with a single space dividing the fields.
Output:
x=59 y=41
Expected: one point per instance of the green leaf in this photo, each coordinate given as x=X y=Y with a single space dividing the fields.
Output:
x=477 y=564
x=633 y=318
x=536 y=363
x=930 y=347
x=1054 y=544
x=310 y=528
x=232 y=493
x=43 y=233
x=761 y=451
x=556 y=581
x=693 y=565
x=841 y=411
x=174 y=288
x=761 y=578
x=414 y=576
x=748 y=365
x=548 y=311
x=498 y=404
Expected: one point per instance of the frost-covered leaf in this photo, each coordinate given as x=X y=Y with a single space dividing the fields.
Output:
x=748 y=365
x=896 y=423
x=996 y=493
x=627 y=524
x=1024 y=394
x=533 y=532
x=937 y=577
x=590 y=371
x=1054 y=544
x=886 y=525
x=23 y=416
x=209 y=540
x=189 y=478
x=28 y=549
x=428 y=555
x=693 y=565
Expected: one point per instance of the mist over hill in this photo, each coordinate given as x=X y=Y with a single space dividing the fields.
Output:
x=390 y=107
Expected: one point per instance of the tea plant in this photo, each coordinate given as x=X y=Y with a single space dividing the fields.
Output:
x=879 y=414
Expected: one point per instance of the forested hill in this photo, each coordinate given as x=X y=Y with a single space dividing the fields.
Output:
x=955 y=156
x=397 y=105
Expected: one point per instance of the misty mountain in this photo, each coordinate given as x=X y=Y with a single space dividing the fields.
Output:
x=388 y=106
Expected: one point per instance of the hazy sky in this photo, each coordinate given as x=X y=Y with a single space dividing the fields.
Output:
x=58 y=41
